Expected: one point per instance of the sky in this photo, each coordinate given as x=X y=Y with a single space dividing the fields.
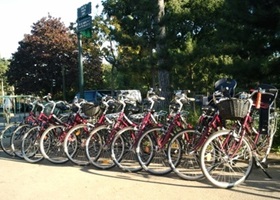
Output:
x=17 y=17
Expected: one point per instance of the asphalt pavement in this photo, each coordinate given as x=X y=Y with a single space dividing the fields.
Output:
x=20 y=180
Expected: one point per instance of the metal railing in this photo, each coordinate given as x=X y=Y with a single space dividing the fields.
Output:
x=20 y=109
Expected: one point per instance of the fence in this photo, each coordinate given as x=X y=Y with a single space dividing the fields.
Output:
x=20 y=108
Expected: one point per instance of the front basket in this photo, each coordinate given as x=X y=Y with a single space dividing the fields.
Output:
x=233 y=108
x=91 y=110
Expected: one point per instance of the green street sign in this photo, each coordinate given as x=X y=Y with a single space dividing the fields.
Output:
x=84 y=10
x=87 y=33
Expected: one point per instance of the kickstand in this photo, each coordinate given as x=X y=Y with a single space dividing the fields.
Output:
x=263 y=169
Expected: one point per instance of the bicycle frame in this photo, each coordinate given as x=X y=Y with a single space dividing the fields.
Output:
x=121 y=122
x=147 y=121
x=214 y=125
x=173 y=121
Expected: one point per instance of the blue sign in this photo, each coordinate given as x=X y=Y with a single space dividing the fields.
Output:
x=84 y=10
x=85 y=23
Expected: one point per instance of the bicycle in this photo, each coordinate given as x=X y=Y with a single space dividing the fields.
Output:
x=6 y=134
x=151 y=148
x=264 y=119
x=17 y=135
x=123 y=148
x=227 y=157
x=30 y=150
x=183 y=149
x=53 y=137
x=74 y=142
x=98 y=143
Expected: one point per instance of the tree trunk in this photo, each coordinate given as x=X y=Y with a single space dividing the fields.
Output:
x=163 y=74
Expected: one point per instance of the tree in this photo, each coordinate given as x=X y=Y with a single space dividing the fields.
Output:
x=37 y=65
x=248 y=31
x=191 y=41
x=130 y=29
x=196 y=42
x=3 y=68
x=171 y=39
x=48 y=55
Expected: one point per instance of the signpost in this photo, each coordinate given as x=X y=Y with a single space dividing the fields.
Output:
x=84 y=20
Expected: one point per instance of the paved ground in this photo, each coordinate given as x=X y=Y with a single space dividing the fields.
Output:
x=20 y=180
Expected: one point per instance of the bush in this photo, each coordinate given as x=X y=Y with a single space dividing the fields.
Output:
x=276 y=141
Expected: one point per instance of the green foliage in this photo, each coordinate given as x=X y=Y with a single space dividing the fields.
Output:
x=193 y=115
x=252 y=43
x=276 y=140
x=3 y=68
x=130 y=25
x=276 y=143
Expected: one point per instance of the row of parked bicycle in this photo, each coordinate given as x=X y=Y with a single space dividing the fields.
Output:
x=233 y=132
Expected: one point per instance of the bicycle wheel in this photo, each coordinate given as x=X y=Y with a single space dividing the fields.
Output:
x=7 y=117
x=263 y=148
x=183 y=159
x=75 y=144
x=31 y=145
x=16 y=139
x=51 y=144
x=5 y=139
x=97 y=151
x=226 y=160
x=123 y=150
x=264 y=141
x=151 y=156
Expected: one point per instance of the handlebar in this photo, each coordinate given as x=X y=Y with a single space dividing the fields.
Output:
x=105 y=100
x=183 y=98
x=259 y=92
x=152 y=96
x=266 y=91
x=48 y=97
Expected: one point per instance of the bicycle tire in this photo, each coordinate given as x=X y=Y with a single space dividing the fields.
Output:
x=16 y=139
x=53 y=138
x=5 y=139
x=152 y=158
x=75 y=144
x=265 y=141
x=183 y=160
x=124 y=151
x=97 y=152
x=217 y=163
x=31 y=145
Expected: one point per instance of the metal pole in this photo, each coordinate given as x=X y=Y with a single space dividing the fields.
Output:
x=81 y=71
x=63 y=82
x=2 y=89
x=2 y=86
